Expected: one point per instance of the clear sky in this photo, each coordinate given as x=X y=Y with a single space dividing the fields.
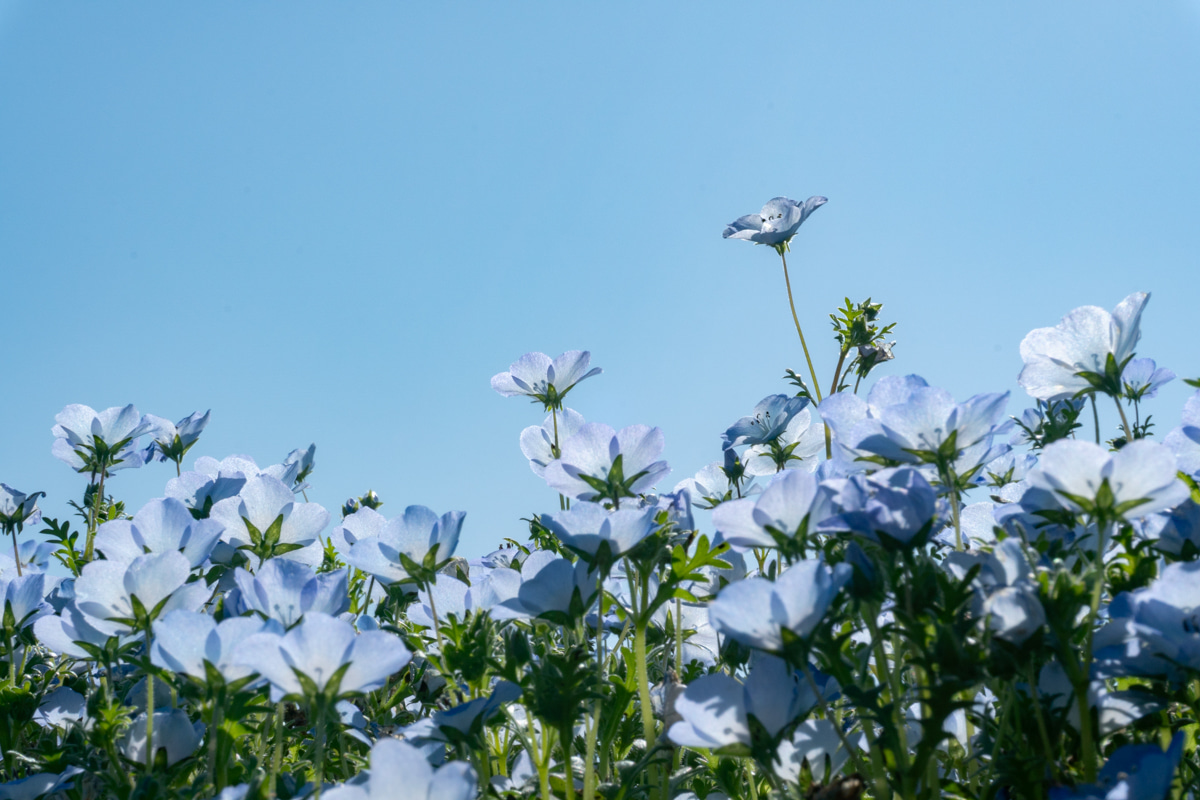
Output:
x=334 y=222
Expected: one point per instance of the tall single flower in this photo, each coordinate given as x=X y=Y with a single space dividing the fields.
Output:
x=600 y=463
x=1081 y=343
x=776 y=224
x=544 y=379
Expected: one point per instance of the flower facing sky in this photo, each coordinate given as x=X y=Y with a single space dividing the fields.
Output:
x=776 y=224
x=544 y=379
x=1081 y=342
x=80 y=430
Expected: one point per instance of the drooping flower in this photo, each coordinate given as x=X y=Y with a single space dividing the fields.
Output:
x=1137 y=480
x=323 y=648
x=544 y=379
x=1081 y=342
x=412 y=537
x=160 y=526
x=599 y=462
x=537 y=441
x=104 y=441
x=776 y=224
x=755 y=611
x=400 y=771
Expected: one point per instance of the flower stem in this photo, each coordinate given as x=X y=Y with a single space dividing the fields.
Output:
x=1096 y=418
x=214 y=734
x=277 y=756
x=1124 y=421
x=858 y=764
x=94 y=522
x=149 y=711
x=16 y=552
x=319 y=751
x=812 y=372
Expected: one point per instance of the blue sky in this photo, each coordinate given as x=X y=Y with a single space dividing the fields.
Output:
x=335 y=222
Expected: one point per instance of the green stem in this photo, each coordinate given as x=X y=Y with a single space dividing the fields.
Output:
x=812 y=372
x=1043 y=732
x=837 y=373
x=568 y=772
x=277 y=757
x=858 y=764
x=1083 y=676
x=16 y=552
x=93 y=523
x=319 y=751
x=149 y=711
x=1095 y=417
x=217 y=719
x=643 y=679
x=1124 y=420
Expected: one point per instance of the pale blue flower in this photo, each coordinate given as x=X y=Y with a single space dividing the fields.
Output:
x=768 y=421
x=1184 y=441
x=173 y=733
x=467 y=717
x=815 y=742
x=1133 y=772
x=24 y=598
x=39 y=784
x=776 y=224
x=755 y=611
x=1141 y=478
x=171 y=441
x=551 y=587
x=537 y=441
x=1112 y=709
x=1081 y=342
x=160 y=526
x=621 y=463
x=780 y=511
x=896 y=505
x=1173 y=531
x=185 y=641
x=905 y=420
x=1005 y=589
x=61 y=708
x=285 y=591
x=63 y=632
x=700 y=640
x=586 y=527
x=365 y=523
x=414 y=536
x=247 y=467
x=447 y=595
x=977 y=523
x=17 y=508
x=715 y=709
x=544 y=379
x=1142 y=378
x=1153 y=630
x=319 y=647
x=105 y=590
x=304 y=462
x=81 y=431
x=400 y=771
x=262 y=501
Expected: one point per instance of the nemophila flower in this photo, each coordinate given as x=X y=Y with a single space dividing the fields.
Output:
x=304 y=461
x=247 y=468
x=977 y=524
x=455 y=723
x=709 y=487
x=363 y=523
x=73 y=633
x=544 y=379
x=99 y=441
x=800 y=446
x=170 y=441
x=1133 y=772
x=285 y=591
x=769 y=420
x=700 y=641
x=325 y=650
x=1081 y=477
x=188 y=642
x=61 y=708
x=120 y=597
x=17 y=508
x=537 y=441
x=586 y=528
x=715 y=709
x=601 y=463
x=160 y=526
x=173 y=734
x=893 y=506
x=1142 y=378
x=1011 y=467
x=33 y=556
x=1184 y=441
x=1058 y=360
x=418 y=540
x=446 y=595
x=1153 y=630
x=265 y=519
x=780 y=513
x=39 y=784
x=756 y=611
x=200 y=492
x=553 y=588
x=905 y=420
x=815 y=742
x=1005 y=589
x=1174 y=531
x=1111 y=709
x=24 y=599
x=776 y=224
x=400 y=771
